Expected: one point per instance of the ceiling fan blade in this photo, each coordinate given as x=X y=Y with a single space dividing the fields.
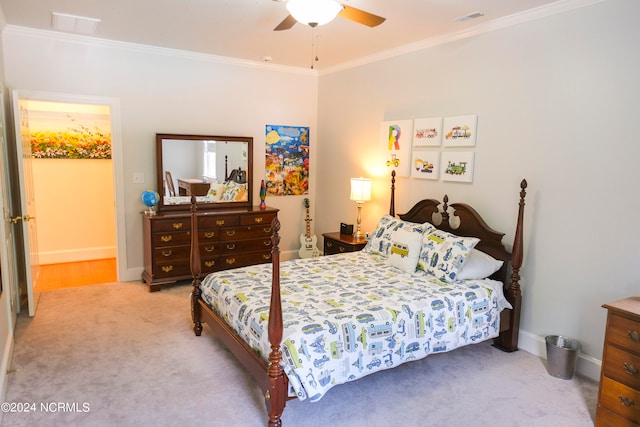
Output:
x=287 y=23
x=360 y=16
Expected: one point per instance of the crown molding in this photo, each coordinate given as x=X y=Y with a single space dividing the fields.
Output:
x=147 y=49
x=485 y=27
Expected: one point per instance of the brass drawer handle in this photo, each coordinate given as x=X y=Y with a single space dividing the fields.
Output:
x=209 y=263
x=626 y=401
x=267 y=243
x=267 y=229
x=265 y=256
x=209 y=248
x=167 y=252
x=634 y=335
x=630 y=369
x=209 y=234
x=329 y=244
x=167 y=268
x=220 y=222
x=230 y=261
x=231 y=246
x=258 y=219
x=177 y=225
x=231 y=232
x=166 y=238
x=342 y=249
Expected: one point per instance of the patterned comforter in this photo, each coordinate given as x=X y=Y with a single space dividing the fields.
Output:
x=348 y=315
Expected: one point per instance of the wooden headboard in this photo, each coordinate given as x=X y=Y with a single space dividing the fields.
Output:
x=470 y=224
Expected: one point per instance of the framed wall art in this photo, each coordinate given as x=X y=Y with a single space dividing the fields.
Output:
x=425 y=164
x=459 y=131
x=427 y=132
x=457 y=166
x=287 y=160
x=395 y=142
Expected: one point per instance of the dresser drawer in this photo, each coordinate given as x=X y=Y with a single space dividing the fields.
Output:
x=172 y=224
x=215 y=221
x=257 y=219
x=172 y=269
x=332 y=247
x=208 y=235
x=171 y=239
x=620 y=399
x=622 y=366
x=606 y=418
x=623 y=332
x=246 y=232
x=242 y=246
x=242 y=260
x=172 y=253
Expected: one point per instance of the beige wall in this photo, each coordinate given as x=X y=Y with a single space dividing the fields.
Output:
x=76 y=199
x=555 y=98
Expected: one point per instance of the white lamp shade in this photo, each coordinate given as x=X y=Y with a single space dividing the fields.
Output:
x=318 y=12
x=360 y=189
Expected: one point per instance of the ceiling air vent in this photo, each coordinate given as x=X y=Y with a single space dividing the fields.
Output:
x=470 y=16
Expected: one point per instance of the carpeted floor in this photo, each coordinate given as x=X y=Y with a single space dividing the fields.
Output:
x=115 y=354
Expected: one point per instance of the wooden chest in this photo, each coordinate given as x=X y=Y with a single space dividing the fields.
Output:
x=228 y=239
x=619 y=396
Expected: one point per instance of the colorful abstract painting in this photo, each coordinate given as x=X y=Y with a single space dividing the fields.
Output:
x=287 y=160
x=69 y=131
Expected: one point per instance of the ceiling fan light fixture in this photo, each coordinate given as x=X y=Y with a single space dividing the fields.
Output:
x=314 y=12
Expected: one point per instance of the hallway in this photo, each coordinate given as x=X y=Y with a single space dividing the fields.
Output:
x=73 y=274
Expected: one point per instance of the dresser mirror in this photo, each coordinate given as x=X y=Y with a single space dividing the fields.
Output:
x=215 y=169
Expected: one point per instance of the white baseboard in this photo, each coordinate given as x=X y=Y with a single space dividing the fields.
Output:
x=586 y=365
x=75 y=255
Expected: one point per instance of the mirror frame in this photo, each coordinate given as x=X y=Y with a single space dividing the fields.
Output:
x=162 y=208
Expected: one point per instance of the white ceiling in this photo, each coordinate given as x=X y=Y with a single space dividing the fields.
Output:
x=244 y=28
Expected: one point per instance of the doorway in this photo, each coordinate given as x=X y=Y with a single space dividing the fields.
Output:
x=27 y=281
x=73 y=185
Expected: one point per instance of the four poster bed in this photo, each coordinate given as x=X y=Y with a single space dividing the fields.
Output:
x=420 y=286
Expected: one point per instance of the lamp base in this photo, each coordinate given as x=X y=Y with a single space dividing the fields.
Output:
x=358 y=235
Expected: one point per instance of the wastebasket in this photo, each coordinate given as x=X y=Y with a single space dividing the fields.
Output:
x=562 y=353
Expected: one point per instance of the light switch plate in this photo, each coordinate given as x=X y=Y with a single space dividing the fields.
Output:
x=138 y=177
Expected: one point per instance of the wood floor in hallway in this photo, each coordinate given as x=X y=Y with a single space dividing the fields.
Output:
x=72 y=274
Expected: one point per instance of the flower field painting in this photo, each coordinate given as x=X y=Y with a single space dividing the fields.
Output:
x=69 y=131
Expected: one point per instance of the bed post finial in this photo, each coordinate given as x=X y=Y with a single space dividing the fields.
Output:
x=392 y=207
x=508 y=340
x=196 y=269
x=445 y=211
x=275 y=395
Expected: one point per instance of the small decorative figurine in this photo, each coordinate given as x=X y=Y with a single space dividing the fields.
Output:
x=263 y=194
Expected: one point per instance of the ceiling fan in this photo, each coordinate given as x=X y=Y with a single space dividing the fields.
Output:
x=320 y=12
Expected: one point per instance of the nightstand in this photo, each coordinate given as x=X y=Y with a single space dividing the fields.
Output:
x=336 y=243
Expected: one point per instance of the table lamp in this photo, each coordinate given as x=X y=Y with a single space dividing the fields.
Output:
x=360 y=193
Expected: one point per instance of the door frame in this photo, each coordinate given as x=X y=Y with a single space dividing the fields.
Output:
x=116 y=159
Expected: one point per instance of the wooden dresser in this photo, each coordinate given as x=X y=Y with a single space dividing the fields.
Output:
x=228 y=239
x=619 y=396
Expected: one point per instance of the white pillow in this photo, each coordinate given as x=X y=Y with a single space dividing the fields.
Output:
x=405 y=250
x=478 y=265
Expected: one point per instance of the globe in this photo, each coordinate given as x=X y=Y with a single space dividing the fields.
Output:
x=150 y=199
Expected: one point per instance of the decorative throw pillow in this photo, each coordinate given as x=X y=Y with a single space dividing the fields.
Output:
x=404 y=250
x=479 y=266
x=443 y=254
x=380 y=240
x=231 y=190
